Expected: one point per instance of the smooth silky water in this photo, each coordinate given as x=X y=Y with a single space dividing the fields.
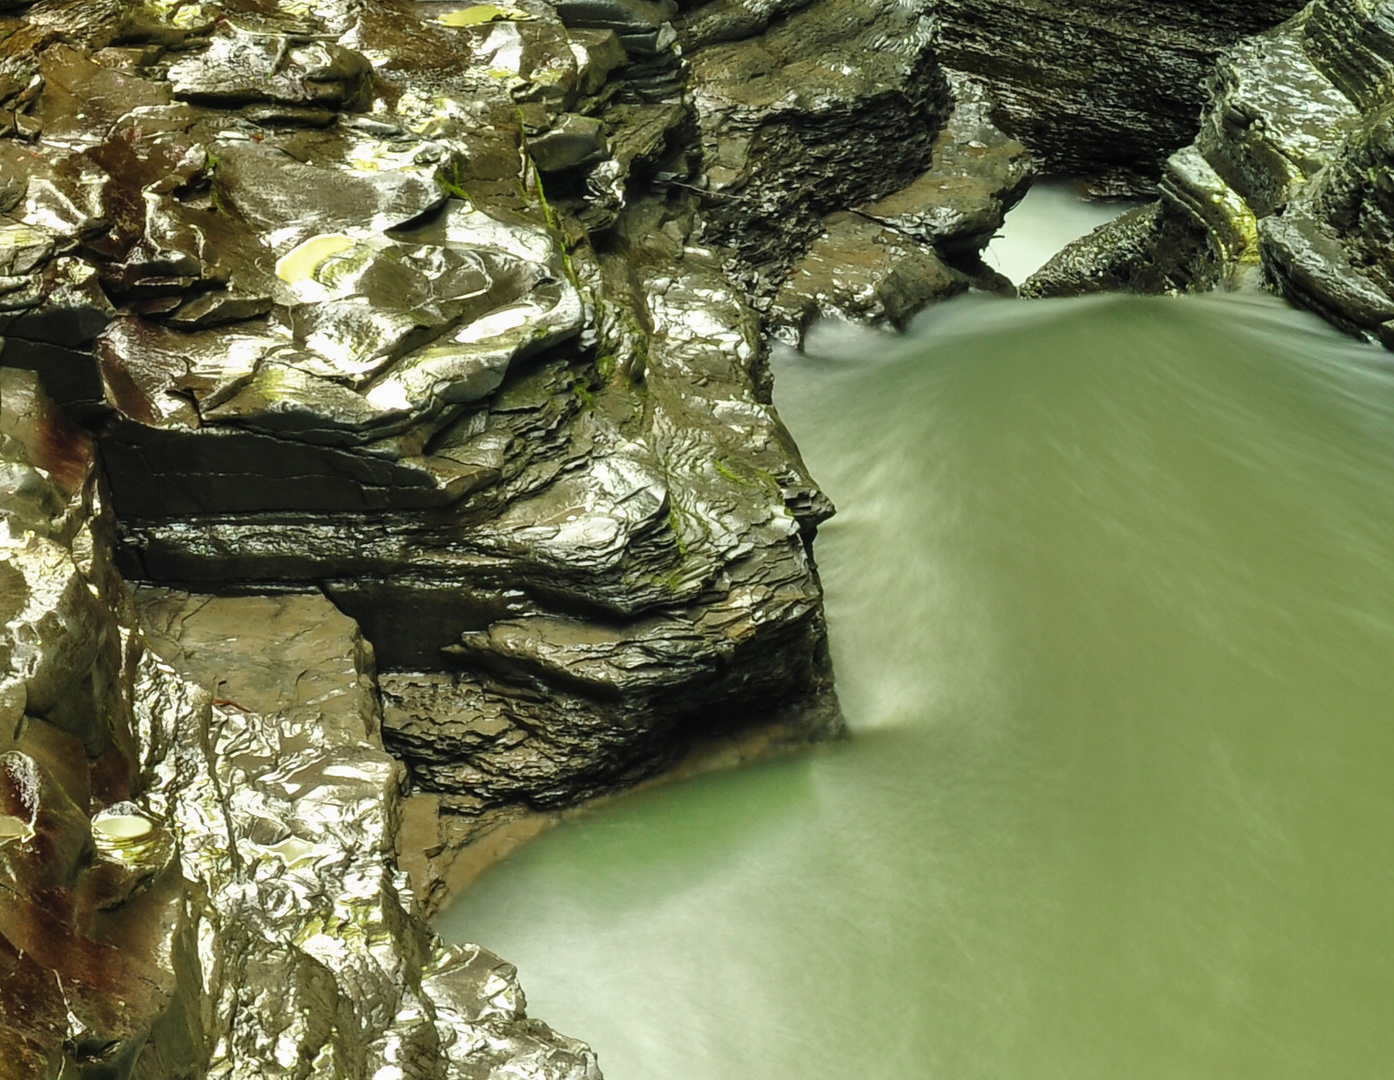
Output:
x=1111 y=594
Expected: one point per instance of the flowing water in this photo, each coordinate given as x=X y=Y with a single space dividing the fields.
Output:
x=1049 y=217
x=1111 y=594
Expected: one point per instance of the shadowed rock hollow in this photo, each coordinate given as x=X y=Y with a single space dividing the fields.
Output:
x=1102 y=91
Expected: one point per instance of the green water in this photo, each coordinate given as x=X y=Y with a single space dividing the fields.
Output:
x=1111 y=595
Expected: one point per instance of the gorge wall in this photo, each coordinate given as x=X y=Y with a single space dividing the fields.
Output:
x=1286 y=185
x=385 y=435
x=413 y=385
x=1101 y=91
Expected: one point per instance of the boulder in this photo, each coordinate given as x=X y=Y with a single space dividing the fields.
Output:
x=884 y=262
x=287 y=804
x=244 y=62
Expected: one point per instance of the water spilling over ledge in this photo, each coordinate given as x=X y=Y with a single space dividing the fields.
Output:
x=1111 y=599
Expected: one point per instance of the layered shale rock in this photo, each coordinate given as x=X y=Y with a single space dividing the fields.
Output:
x=1103 y=91
x=860 y=271
x=196 y=825
x=889 y=259
x=796 y=123
x=1200 y=234
x=420 y=350
x=275 y=781
x=1288 y=174
x=342 y=285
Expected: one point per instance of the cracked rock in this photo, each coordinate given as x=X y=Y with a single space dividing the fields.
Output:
x=1284 y=180
x=794 y=124
x=1104 y=91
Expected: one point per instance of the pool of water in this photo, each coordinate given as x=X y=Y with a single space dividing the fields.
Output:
x=1111 y=595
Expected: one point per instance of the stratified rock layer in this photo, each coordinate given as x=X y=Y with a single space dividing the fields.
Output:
x=887 y=260
x=364 y=304
x=1289 y=174
x=419 y=349
x=197 y=820
x=1103 y=91
x=796 y=123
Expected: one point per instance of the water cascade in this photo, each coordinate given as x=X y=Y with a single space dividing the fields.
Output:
x=1111 y=598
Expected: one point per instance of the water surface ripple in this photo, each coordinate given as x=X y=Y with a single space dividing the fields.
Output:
x=1111 y=594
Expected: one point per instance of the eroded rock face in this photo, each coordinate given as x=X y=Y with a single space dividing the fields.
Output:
x=197 y=820
x=373 y=309
x=367 y=300
x=795 y=123
x=1103 y=91
x=285 y=802
x=1287 y=175
x=87 y=923
x=889 y=259
x=1199 y=235
x=861 y=271
x=421 y=351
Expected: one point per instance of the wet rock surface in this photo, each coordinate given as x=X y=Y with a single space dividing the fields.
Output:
x=84 y=924
x=420 y=349
x=889 y=259
x=795 y=123
x=366 y=301
x=1199 y=235
x=1286 y=180
x=197 y=821
x=860 y=271
x=285 y=802
x=1103 y=91
x=416 y=349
